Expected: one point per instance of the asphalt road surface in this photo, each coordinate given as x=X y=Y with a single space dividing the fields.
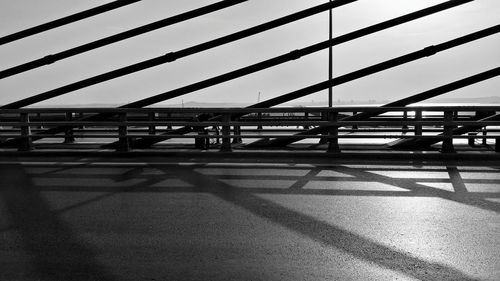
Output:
x=132 y=219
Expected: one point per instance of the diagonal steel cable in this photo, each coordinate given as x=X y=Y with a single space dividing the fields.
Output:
x=65 y=20
x=118 y=37
x=172 y=56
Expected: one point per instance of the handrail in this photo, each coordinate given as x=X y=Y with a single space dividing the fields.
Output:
x=65 y=20
x=143 y=123
x=247 y=110
x=402 y=102
x=172 y=56
x=49 y=59
x=263 y=122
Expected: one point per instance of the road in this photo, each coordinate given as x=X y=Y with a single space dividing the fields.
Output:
x=136 y=219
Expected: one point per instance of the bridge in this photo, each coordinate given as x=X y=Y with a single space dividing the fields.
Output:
x=141 y=191
x=438 y=128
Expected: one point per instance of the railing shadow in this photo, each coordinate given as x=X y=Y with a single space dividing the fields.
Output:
x=43 y=232
x=330 y=235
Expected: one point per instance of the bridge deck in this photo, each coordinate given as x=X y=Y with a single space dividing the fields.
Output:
x=160 y=218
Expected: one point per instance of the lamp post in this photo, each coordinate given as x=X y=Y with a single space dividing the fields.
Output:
x=330 y=58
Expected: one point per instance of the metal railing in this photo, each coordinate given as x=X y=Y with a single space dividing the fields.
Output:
x=229 y=128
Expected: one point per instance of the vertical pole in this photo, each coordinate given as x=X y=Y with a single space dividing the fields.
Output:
x=259 y=114
x=330 y=57
x=259 y=117
x=447 y=146
x=497 y=144
x=122 y=133
x=333 y=132
x=226 y=132
x=27 y=144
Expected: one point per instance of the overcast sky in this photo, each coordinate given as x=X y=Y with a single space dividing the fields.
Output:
x=397 y=83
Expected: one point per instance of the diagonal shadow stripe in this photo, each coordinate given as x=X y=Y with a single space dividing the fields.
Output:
x=302 y=181
x=456 y=180
x=410 y=184
x=55 y=251
x=330 y=235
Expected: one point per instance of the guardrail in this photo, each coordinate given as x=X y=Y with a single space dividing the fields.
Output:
x=25 y=129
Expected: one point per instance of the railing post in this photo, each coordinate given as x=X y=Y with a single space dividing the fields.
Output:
x=169 y=117
x=39 y=118
x=124 y=144
x=354 y=127
x=226 y=133
x=324 y=117
x=27 y=143
x=405 y=118
x=68 y=134
x=259 y=117
x=80 y=116
x=497 y=144
x=237 y=131
x=306 y=117
x=418 y=127
x=333 y=132
x=151 y=128
x=471 y=141
x=485 y=133
x=447 y=146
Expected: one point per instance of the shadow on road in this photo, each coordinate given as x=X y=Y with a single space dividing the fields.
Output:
x=57 y=253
